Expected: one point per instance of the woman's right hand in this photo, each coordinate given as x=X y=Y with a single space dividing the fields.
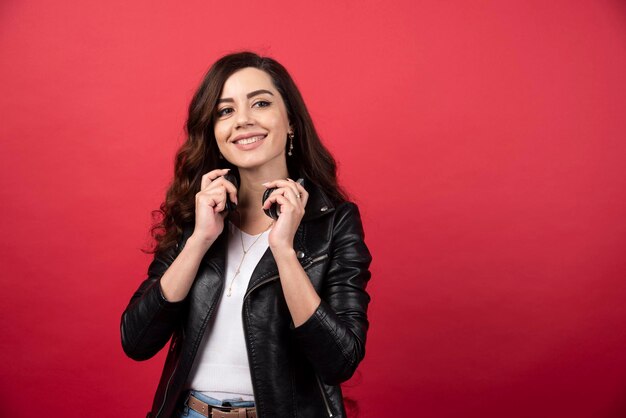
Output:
x=210 y=206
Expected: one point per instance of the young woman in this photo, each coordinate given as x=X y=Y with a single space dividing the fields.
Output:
x=266 y=316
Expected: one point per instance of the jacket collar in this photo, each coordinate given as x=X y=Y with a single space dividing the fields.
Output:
x=318 y=204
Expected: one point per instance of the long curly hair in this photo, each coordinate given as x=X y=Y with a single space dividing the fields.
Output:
x=199 y=153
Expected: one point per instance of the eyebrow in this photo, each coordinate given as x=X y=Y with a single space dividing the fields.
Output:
x=249 y=95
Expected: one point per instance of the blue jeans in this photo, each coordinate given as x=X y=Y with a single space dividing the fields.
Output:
x=186 y=412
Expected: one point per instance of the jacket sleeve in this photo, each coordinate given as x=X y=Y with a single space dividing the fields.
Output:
x=333 y=338
x=149 y=319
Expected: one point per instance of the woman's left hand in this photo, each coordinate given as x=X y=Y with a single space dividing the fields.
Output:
x=291 y=198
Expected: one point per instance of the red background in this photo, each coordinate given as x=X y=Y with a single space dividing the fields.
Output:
x=483 y=141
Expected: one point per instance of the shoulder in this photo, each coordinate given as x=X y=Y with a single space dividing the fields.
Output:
x=347 y=242
x=347 y=210
x=347 y=222
x=319 y=204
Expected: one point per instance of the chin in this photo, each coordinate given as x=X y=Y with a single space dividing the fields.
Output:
x=256 y=163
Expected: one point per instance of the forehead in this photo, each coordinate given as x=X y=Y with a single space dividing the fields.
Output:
x=246 y=80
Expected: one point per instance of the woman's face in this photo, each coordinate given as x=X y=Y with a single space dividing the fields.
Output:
x=251 y=123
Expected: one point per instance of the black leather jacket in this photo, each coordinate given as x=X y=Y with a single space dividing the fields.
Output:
x=295 y=372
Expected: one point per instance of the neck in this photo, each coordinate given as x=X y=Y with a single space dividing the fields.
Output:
x=251 y=217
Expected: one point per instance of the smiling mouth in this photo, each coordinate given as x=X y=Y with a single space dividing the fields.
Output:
x=251 y=140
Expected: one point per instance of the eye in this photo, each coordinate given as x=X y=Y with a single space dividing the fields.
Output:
x=261 y=103
x=224 y=111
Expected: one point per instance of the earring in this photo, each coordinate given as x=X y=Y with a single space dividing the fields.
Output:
x=291 y=135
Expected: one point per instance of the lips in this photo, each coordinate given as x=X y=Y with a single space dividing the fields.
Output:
x=249 y=140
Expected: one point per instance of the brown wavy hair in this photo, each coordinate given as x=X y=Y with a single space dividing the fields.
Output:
x=200 y=154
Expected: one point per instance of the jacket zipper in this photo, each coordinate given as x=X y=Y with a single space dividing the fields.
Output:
x=167 y=387
x=319 y=384
x=276 y=276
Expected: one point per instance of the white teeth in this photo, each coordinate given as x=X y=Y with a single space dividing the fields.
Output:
x=250 y=140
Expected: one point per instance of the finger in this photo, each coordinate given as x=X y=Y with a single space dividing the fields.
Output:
x=288 y=184
x=287 y=192
x=296 y=200
x=279 y=199
x=300 y=187
x=298 y=194
x=220 y=206
x=224 y=186
x=207 y=199
x=303 y=196
x=301 y=191
x=272 y=198
x=212 y=175
x=276 y=183
x=293 y=195
x=285 y=204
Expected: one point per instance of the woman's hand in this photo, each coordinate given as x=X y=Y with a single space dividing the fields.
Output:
x=291 y=198
x=210 y=205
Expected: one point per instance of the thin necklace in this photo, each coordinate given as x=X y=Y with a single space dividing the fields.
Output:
x=243 y=257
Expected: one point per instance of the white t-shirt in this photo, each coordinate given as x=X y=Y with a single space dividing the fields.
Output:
x=221 y=368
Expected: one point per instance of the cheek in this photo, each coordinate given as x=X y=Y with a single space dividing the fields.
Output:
x=220 y=132
x=281 y=121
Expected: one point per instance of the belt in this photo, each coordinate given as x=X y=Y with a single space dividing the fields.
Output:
x=219 y=412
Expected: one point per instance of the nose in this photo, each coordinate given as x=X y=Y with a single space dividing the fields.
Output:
x=243 y=118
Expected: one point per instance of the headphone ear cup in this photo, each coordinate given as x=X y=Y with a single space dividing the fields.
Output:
x=273 y=211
